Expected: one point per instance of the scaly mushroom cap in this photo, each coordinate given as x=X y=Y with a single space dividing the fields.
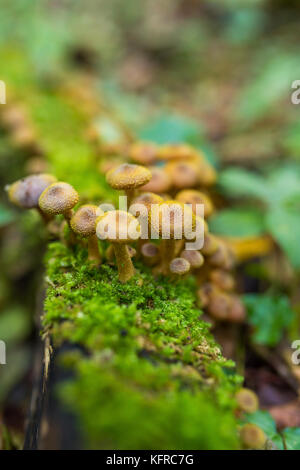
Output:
x=194 y=257
x=58 y=198
x=25 y=193
x=149 y=250
x=84 y=221
x=160 y=181
x=118 y=227
x=211 y=244
x=247 y=400
x=173 y=212
x=128 y=176
x=179 y=266
x=222 y=279
x=177 y=152
x=143 y=153
x=183 y=174
x=194 y=197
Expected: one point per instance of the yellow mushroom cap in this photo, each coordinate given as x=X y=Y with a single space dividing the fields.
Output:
x=148 y=199
x=194 y=257
x=83 y=221
x=58 y=198
x=247 y=400
x=179 y=266
x=128 y=176
x=143 y=153
x=183 y=174
x=252 y=436
x=25 y=193
x=118 y=227
x=194 y=197
x=160 y=181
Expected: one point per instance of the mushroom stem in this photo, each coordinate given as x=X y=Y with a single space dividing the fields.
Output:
x=131 y=194
x=93 y=250
x=124 y=263
x=68 y=216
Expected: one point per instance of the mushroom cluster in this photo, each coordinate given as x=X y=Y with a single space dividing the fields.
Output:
x=170 y=179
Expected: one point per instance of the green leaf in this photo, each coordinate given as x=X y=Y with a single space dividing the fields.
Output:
x=172 y=128
x=284 y=183
x=292 y=438
x=237 y=182
x=284 y=226
x=238 y=222
x=270 y=315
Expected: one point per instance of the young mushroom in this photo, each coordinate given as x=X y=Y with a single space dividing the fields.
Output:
x=177 y=152
x=223 y=279
x=120 y=228
x=194 y=197
x=25 y=193
x=172 y=221
x=141 y=208
x=143 y=153
x=150 y=253
x=59 y=198
x=160 y=181
x=252 y=436
x=183 y=174
x=128 y=177
x=179 y=267
x=83 y=223
x=194 y=257
x=247 y=400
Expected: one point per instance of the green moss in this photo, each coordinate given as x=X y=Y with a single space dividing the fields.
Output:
x=150 y=374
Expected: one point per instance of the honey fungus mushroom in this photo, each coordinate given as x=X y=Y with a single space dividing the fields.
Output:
x=83 y=223
x=25 y=193
x=160 y=181
x=194 y=257
x=169 y=222
x=179 y=267
x=177 y=152
x=183 y=174
x=194 y=197
x=128 y=177
x=143 y=153
x=119 y=228
x=59 y=198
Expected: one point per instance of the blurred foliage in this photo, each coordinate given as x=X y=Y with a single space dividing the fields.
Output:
x=270 y=316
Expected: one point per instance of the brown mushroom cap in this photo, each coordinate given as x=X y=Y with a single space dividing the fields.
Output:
x=143 y=153
x=194 y=257
x=160 y=181
x=179 y=266
x=183 y=174
x=83 y=221
x=193 y=197
x=211 y=244
x=128 y=176
x=147 y=199
x=252 y=436
x=247 y=400
x=118 y=227
x=58 y=198
x=177 y=152
x=222 y=279
x=25 y=193
x=149 y=250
